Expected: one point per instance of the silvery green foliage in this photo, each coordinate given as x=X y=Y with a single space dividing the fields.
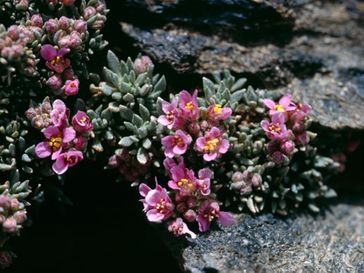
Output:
x=249 y=180
x=127 y=111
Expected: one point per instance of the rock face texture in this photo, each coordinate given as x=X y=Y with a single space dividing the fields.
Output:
x=330 y=243
x=313 y=49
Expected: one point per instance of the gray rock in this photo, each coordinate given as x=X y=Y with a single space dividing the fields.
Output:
x=333 y=242
x=312 y=48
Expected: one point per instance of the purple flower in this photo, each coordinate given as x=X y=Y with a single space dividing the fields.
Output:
x=183 y=180
x=55 y=82
x=51 y=26
x=55 y=138
x=278 y=157
x=177 y=144
x=157 y=204
x=37 y=21
x=64 y=22
x=209 y=211
x=55 y=58
x=216 y=112
x=66 y=160
x=170 y=116
x=189 y=105
x=284 y=105
x=178 y=228
x=212 y=145
x=81 y=122
x=59 y=114
x=204 y=181
x=276 y=130
x=71 y=87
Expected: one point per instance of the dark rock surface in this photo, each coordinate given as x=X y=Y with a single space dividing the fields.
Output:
x=330 y=243
x=312 y=48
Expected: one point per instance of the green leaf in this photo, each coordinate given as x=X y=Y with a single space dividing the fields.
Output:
x=160 y=85
x=144 y=112
x=147 y=143
x=142 y=156
x=126 y=142
x=137 y=120
x=126 y=113
x=237 y=96
x=208 y=88
x=111 y=77
x=131 y=127
x=113 y=62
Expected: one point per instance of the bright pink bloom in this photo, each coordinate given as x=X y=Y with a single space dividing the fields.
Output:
x=178 y=228
x=212 y=145
x=66 y=160
x=55 y=58
x=300 y=112
x=55 y=140
x=81 y=122
x=189 y=105
x=176 y=144
x=209 y=211
x=183 y=180
x=157 y=204
x=59 y=114
x=170 y=117
x=276 y=130
x=204 y=180
x=216 y=112
x=284 y=105
x=71 y=87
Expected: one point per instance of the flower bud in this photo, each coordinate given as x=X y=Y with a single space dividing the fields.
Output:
x=10 y=225
x=37 y=21
x=51 y=26
x=89 y=12
x=143 y=64
x=71 y=87
x=20 y=216
x=287 y=147
x=190 y=215
x=80 y=26
x=54 y=82
x=68 y=2
x=64 y=22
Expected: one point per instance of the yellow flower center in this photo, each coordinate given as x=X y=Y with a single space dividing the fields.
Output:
x=190 y=106
x=57 y=59
x=279 y=108
x=55 y=143
x=211 y=215
x=177 y=141
x=218 y=109
x=186 y=183
x=83 y=120
x=161 y=206
x=275 y=128
x=211 y=145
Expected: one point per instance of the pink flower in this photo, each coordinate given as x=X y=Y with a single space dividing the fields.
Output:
x=300 y=112
x=302 y=139
x=284 y=105
x=37 y=20
x=278 y=157
x=143 y=64
x=51 y=26
x=209 y=211
x=10 y=225
x=80 y=143
x=157 y=204
x=178 y=228
x=216 y=112
x=204 y=181
x=276 y=130
x=66 y=160
x=59 y=114
x=55 y=140
x=170 y=117
x=189 y=105
x=71 y=87
x=287 y=147
x=212 y=145
x=55 y=82
x=177 y=144
x=183 y=180
x=80 y=26
x=81 y=122
x=55 y=58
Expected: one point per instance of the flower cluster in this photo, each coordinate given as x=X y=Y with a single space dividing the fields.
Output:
x=62 y=76
x=194 y=131
x=64 y=142
x=194 y=127
x=286 y=128
x=12 y=213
